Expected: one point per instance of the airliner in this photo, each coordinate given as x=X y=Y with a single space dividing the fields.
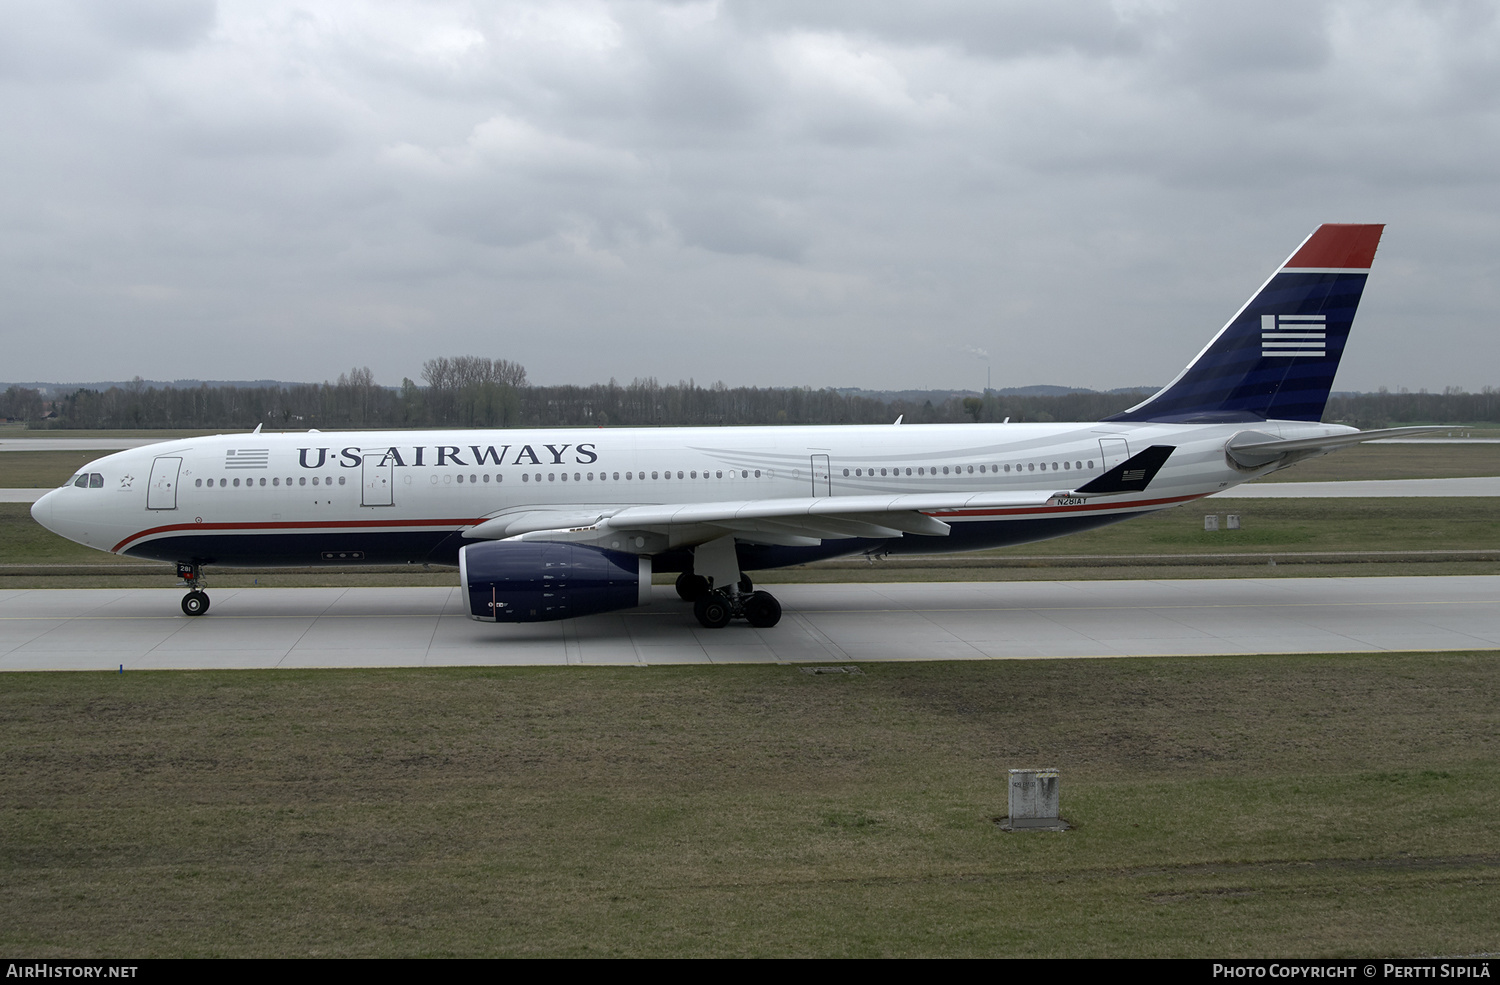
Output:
x=556 y=523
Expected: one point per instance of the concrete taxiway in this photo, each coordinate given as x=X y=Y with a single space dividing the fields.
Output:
x=141 y=629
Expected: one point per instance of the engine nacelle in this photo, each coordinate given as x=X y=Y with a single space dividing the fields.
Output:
x=517 y=581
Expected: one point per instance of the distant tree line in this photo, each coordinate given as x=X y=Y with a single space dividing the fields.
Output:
x=1386 y=409
x=474 y=391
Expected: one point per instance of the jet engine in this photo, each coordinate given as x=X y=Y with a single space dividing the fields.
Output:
x=517 y=581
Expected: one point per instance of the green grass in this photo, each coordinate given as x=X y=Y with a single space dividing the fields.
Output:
x=1396 y=462
x=14 y=433
x=1348 y=533
x=1222 y=806
x=42 y=469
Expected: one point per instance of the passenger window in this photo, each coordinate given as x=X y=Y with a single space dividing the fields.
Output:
x=198 y=483
x=341 y=479
x=276 y=481
x=236 y=483
x=525 y=477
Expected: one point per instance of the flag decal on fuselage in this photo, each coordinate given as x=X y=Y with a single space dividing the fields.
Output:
x=1292 y=335
x=249 y=458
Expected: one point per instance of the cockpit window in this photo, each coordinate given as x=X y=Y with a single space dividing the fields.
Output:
x=81 y=480
x=96 y=481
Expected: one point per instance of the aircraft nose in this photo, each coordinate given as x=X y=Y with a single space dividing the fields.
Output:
x=41 y=510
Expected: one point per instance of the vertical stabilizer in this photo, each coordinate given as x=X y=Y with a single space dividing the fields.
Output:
x=1277 y=357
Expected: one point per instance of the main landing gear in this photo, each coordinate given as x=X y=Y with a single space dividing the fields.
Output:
x=195 y=602
x=715 y=608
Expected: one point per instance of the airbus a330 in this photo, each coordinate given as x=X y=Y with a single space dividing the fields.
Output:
x=556 y=523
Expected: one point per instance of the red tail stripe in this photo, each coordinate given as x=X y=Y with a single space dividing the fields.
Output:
x=1338 y=245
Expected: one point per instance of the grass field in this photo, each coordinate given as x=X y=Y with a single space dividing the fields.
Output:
x=1229 y=806
x=1308 y=536
x=1170 y=544
x=1221 y=806
x=41 y=469
x=1396 y=462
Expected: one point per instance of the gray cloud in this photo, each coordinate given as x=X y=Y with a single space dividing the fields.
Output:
x=772 y=193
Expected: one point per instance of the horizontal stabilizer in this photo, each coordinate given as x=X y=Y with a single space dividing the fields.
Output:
x=1132 y=475
x=1252 y=449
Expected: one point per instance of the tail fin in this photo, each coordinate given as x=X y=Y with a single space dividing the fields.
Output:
x=1276 y=358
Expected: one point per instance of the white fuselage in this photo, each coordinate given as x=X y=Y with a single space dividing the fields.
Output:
x=406 y=496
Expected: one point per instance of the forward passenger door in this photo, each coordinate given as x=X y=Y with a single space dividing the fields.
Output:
x=161 y=494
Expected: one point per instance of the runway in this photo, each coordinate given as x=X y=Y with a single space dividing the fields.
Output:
x=263 y=628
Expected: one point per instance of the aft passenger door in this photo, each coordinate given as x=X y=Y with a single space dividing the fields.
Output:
x=379 y=482
x=1114 y=450
x=161 y=494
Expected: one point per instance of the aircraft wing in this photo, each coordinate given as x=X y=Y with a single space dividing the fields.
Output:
x=788 y=521
x=822 y=517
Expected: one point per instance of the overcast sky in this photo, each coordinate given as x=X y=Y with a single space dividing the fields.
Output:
x=854 y=193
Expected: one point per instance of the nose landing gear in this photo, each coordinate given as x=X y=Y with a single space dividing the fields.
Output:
x=195 y=602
